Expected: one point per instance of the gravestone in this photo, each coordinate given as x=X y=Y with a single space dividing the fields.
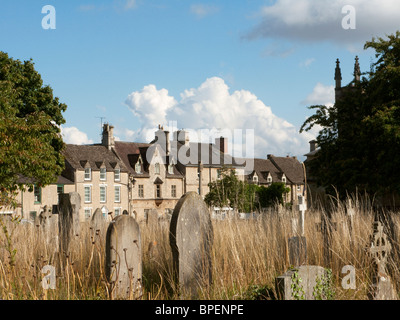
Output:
x=298 y=245
x=68 y=220
x=152 y=218
x=300 y=282
x=380 y=249
x=191 y=237
x=123 y=258
x=97 y=221
x=45 y=217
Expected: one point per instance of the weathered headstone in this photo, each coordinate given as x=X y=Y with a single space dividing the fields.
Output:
x=300 y=283
x=123 y=258
x=297 y=251
x=68 y=221
x=380 y=250
x=152 y=217
x=298 y=244
x=191 y=237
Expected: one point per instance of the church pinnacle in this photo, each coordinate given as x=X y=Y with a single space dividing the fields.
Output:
x=338 y=75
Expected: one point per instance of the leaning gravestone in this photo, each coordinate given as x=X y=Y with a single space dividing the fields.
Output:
x=97 y=221
x=123 y=258
x=191 y=237
x=68 y=220
x=301 y=283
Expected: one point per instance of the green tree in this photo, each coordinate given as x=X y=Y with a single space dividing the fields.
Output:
x=243 y=196
x=360 y=139
x=30 y=139
x=272 y=195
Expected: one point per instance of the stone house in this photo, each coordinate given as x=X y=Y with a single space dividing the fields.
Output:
x=32 y=202
x=287 y=170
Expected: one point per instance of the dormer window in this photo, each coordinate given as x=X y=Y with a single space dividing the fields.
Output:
x=138 y=166
x=117 y=174
x=171 y=169
x=157 y=168
x=88 y=174
x=255 y=178
x=269 y=179
x=283 y=179
x=103 y=173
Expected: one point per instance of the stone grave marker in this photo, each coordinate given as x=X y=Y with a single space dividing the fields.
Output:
x=124 y=258
x=152 y=217
x=191 y=237
x=68 y=220
x=380 y=249
x=297 y=244
x=300 y=283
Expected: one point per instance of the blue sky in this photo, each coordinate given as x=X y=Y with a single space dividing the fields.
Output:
x=247 y=64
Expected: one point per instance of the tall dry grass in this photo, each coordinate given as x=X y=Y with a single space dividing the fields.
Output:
x=247 y=256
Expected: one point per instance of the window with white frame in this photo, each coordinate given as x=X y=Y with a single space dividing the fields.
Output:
x=138 y=166
x=269 y=179
x=103 y=193
x=117 y=211
x=103 y=174
x=117 y=174
x=88 y=174
x=117 y=193
x=284 y=179
x=140 y=191
x=157 y=168
x=88 y=194
x=88 y=213
x=171 y=169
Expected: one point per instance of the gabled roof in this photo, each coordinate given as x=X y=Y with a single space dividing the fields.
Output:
x=95 y=155
x=131 y=152
x=292 y=168
x=264 y=167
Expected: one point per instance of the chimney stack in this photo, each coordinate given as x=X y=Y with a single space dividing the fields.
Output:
x=108 y=136
x=222 y=144
x=313 y=145
x=182 y=136
x=162 y=138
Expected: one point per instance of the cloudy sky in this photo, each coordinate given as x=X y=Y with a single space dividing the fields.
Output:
x=217 y=65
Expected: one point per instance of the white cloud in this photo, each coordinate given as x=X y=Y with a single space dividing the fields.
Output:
x=306 y=63
x=321 y=95
x=130 y=4
x=151 y=106
x=310 y=20
x=202 y=10
x=73 y=135
x=213 y=106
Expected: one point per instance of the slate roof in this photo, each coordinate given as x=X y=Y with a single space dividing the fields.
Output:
x=208 y=153
x=263 y=167
x=292 y=168
x=130 y=152
x=78 y=156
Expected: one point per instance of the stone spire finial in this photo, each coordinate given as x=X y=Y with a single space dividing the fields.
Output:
x=338 y=74
x=357 y=71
